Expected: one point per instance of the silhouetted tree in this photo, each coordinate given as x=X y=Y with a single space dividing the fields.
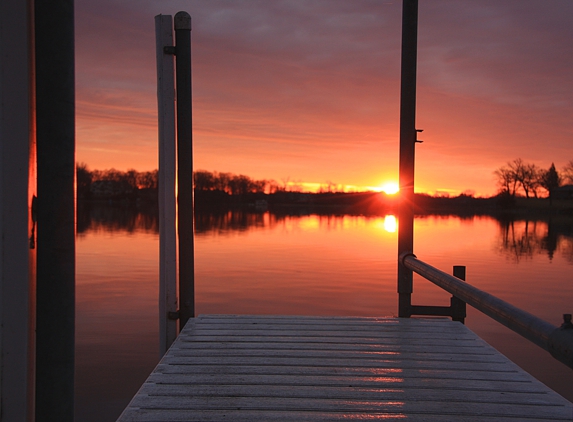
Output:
x=231 y=184
x=506 y=181
x=527 y=175
x=113 y=175
x=517 y=174
x=567 y=172
x=244 y=184
x=272 y=186
x=549 y=180
x=131 y=177
x=204 y=180
x=148 y=179
x=222 y=182
x=83 y=180
x=259 y=186
x=112 y=183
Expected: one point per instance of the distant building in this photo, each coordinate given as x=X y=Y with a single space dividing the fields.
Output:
x=563 y=192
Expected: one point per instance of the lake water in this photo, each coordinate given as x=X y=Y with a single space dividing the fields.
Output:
x=262 y=263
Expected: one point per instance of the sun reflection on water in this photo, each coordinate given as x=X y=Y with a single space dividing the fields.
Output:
x=390 y=224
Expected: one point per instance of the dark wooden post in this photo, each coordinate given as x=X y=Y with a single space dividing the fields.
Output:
x=17 y=219
x=55 y=126
x=166 y=182
x=407 y=146
x=458 y=306
x=184 y=168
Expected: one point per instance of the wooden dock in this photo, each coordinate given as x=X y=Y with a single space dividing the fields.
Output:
x=291 y=368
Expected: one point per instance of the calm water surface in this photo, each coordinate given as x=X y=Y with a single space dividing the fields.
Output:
x=307 y=265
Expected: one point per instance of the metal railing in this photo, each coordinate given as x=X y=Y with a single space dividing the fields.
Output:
x=556 y=340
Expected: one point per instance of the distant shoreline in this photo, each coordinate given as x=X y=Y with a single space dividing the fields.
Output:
x=359 y=203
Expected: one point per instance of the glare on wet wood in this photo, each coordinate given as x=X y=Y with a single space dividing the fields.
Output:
x=281 y=368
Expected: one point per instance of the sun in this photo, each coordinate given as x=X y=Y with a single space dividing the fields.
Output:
x=390 y=188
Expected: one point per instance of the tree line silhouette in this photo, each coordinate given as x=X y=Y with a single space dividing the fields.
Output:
x=218 y=190
x=112 y=183
x=115 y=184
x=233 y=184
x=518 y=177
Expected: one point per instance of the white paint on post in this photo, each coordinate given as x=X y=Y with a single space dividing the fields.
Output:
x=17 y=187
x=167 y=186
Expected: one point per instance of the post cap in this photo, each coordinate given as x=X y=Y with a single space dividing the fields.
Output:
x=182 y=21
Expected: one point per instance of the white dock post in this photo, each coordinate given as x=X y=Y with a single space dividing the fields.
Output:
x=167 y=194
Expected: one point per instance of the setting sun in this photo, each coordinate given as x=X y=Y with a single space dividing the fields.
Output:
x=390 y=188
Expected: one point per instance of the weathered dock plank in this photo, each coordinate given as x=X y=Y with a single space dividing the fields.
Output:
x=273 y=368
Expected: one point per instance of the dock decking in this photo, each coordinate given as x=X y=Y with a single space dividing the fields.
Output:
x=292 y=368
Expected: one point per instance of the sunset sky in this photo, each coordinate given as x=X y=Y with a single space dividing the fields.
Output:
x=309 y=90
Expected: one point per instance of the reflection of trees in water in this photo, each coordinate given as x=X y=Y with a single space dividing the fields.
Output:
x=566 y=248
x=116 y=217
x=524 y=239
x=517 y=240
x=521 y=239
x=227 y=222
x=129 y=218
x=236 y=221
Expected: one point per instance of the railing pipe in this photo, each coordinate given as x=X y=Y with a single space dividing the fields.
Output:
x=557 y=341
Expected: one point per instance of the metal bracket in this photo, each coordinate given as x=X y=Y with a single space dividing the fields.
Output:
x=418 y=141
x=456 y=310
x=170 y=49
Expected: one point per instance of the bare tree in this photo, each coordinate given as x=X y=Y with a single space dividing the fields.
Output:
x=84 y=178
x=243 y=183
x=286 y=181
x=506 y=180
x=259 y=186
x=131 y=177
x=223 y=181
x=518 y=175
x=330 y=186
x=272 y=186
x=527 y=176
x=231 y=183
x=567 y=172
x=203 y=180
x=148 y=179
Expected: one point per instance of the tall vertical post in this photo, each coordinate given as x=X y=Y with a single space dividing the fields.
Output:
x=17 y=225
x=184 y=168
x=407 y=146
x=166 y=188
x=55 y=131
